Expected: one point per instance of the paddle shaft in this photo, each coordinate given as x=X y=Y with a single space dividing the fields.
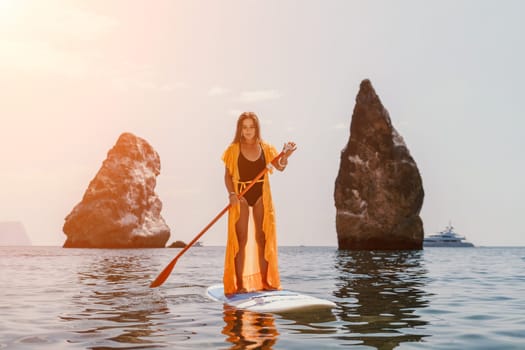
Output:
x=163 y=276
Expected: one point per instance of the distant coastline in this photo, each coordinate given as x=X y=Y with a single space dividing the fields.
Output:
x=13 y=233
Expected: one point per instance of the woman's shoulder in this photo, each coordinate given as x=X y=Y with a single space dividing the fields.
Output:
x=269 y=149
x=232 y=148
x=266 y=144
x=232 y=145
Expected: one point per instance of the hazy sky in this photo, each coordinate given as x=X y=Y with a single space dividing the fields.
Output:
x=74 y=75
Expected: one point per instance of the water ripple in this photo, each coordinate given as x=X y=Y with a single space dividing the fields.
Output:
x=100 y=299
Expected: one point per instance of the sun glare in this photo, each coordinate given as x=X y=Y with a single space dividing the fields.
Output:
x=7 y=8
x=6 y=4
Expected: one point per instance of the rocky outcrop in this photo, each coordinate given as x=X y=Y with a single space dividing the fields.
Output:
x=13 y=233
x=378 y=190
x=120 y=208
x=177 y=244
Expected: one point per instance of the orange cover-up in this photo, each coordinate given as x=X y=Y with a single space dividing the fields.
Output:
x=252 y=279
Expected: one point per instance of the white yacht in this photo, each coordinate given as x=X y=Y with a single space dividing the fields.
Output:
x=446 y=238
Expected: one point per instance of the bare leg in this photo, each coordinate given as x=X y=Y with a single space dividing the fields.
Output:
x=258 y=216
x=242 y=237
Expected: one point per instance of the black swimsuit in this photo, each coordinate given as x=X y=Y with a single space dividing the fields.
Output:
x=248 y=170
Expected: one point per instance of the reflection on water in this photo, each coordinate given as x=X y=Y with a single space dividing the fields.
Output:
x=249 y=330
x=117 y=306
x=246 y=329
x=379 y=293
x=308 y=318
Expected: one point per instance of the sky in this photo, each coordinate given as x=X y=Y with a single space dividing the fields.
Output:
x=74 y=75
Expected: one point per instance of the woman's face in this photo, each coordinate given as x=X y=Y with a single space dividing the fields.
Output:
x=249 y=130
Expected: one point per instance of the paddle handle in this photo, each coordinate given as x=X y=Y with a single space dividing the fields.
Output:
x=163 y=276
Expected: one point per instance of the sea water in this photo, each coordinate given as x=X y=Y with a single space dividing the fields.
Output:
x=437 y=298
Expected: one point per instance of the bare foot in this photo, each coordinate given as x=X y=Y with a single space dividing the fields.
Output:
x=266 y=286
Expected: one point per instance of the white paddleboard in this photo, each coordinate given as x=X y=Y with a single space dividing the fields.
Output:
x=269 y=301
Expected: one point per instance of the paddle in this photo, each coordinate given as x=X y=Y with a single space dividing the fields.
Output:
x=163 y=276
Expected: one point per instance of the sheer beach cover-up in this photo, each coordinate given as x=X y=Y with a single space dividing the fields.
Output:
x=252 y=278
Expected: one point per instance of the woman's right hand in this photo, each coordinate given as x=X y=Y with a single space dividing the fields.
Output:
x=234 y=200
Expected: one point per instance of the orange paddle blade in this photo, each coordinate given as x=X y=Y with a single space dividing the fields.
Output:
x=163 y=276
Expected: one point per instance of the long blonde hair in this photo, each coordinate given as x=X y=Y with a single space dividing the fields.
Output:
x=238 y=131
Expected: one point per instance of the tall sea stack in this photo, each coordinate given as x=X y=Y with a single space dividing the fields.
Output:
x=120 y=208
x=378 y=191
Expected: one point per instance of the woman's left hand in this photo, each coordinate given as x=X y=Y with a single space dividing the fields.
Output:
x=290 y=148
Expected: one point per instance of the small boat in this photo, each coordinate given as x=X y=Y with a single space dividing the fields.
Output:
x=446 y=238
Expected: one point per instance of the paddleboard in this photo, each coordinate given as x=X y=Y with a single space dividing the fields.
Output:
x=269 y=301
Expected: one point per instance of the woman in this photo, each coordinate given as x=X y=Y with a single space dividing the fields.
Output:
x=245 y=157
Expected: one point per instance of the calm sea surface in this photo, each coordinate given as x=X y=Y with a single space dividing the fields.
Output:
x=439 y=298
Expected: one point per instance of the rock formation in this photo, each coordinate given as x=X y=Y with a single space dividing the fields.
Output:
x=378 y=191
x=120 y=208
x=177 y=244
x=13 y=233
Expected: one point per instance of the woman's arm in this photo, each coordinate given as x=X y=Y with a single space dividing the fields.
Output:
x=282 y=162
x=228 y=181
